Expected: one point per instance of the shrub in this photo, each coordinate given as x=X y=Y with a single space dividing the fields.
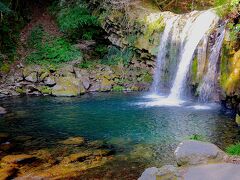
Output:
x=196 y=137
x=233 y=149
x=51 y=50
x=116 y=56
x=118 y=88
x=76 y=21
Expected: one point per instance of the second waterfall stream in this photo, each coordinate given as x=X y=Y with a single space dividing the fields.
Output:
x=179 y=44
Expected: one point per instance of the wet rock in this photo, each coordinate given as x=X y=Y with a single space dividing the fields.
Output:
x=3 y=137
x=81 y=156
x=66 y=71
x=22 y=138
x=2 y=110
x=197 y=152
x=32 y=77
x=96 y=144
x=73 y=141
x=95 y=87
x=167 y=172
x=15 y=159
x=6 y=146
x=49 y=81
x=106 y=85
x=8 y=172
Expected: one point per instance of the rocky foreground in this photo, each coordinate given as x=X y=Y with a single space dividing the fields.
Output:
x=197 y=161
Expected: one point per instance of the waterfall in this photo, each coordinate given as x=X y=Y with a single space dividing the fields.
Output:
x=162 y=55
x=208 y=88
x=195 y=34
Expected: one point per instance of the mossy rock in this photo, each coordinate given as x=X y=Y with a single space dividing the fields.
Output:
x=67 y=86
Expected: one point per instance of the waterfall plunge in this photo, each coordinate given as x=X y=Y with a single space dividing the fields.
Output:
x=207 y=89
x=192 y=28
x=195 y=34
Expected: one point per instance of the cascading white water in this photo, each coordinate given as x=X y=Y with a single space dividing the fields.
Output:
x=162 y=54
x=196 y=32
x=207 y=89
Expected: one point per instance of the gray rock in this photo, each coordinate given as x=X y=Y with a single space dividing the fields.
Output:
x=86 y=82
x=49 y=81
x=197 y=152
x=223 y=171
x=2 y=110
x=32 y=77
x=153 y=173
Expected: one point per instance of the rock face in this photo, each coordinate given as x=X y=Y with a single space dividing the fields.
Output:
x=197 y=152
x=2 y=110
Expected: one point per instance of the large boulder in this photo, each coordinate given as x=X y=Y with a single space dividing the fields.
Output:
x=32 y=77
x=196 y=152
x=67 y=86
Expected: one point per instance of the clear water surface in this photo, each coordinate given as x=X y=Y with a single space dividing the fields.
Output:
x=142 y=136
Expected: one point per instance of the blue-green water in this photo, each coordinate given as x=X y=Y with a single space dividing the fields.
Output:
x=144 y=136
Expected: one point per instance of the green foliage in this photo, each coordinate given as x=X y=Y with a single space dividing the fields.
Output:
x=4 y=67
x=147 y=78
x=156 y=26
x=194 y=69
x=53 y=50
x=87 y=64
x=36 y=37
x=234 y=31
x=233 y=149
x=101 y=50
x=77 y=22
x=196 y=137
x=118 y=88
x=4 y=9
x=116 y=56
x=225 y=7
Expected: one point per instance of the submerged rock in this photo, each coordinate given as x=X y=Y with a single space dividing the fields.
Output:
x=2 y=110
x=73 y=141
x=3 y=137
x=197 y=152
x=8 y=172
x=15 y=159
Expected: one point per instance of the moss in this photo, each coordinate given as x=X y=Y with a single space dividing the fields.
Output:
x=233 y=149
x=194 y=70
x=147 y=78
x=45 y=90
x=156 y=26
x=20 y=90
x=5 y=68
x=118 y=88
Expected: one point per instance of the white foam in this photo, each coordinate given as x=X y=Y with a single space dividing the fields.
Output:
x=161 y=101
x=204 y=106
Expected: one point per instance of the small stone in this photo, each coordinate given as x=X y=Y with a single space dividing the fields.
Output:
x=15 y=159
x=2 y=110
x=73 y=141
x=32 y=77
x=6 y=146
x=49 y=81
